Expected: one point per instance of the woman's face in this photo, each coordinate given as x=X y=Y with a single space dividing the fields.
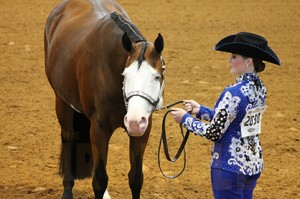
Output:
x=238 y=64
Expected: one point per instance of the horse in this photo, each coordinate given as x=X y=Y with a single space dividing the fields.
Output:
x=104 y=75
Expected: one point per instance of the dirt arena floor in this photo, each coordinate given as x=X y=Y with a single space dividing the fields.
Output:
x=29 y=131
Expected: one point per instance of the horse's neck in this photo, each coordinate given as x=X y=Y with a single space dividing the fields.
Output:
x=104 y=7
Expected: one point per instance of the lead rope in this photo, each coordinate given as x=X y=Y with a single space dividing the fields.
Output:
x=163 y=140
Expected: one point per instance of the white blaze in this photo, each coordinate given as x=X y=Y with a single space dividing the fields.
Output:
x=140 y=78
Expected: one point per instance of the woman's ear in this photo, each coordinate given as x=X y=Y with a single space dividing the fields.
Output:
x=250 y=61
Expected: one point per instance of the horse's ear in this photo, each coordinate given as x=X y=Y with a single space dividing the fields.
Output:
x=159 y=43
x=126 y=42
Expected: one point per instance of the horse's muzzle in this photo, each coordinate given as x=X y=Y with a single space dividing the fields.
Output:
x=136 y=126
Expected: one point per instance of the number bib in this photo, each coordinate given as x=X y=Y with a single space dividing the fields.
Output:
x=251 y=124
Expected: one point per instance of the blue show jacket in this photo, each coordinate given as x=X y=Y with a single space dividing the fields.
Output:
x=231 y=151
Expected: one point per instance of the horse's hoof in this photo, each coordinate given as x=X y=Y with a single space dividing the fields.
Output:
x=67 y=195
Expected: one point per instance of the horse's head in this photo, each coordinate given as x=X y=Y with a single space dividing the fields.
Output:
x=143 y=83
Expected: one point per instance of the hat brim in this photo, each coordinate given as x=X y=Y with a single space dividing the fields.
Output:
x=229 y=45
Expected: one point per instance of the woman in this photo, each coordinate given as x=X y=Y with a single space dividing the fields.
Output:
x=235 y=121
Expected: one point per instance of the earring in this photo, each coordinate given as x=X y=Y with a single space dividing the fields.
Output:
x=247 y=65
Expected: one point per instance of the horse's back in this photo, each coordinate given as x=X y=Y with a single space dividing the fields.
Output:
x=80 y=41
x=71 y=15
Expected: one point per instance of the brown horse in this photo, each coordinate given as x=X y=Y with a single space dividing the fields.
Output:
x=105 y=75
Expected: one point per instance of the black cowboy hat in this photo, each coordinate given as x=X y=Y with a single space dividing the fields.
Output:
x=248 y=44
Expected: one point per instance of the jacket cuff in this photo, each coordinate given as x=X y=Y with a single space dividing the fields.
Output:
x=185 y=116
x=205 y=113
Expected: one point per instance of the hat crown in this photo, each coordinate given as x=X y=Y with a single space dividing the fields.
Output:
x=251 y=39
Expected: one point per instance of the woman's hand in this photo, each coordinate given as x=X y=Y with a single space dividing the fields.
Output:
x=178 y=114
x=191 y=106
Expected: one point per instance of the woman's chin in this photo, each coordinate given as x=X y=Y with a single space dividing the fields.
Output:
x=233 y=71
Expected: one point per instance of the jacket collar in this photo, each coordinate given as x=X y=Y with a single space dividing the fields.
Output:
x=247 y=76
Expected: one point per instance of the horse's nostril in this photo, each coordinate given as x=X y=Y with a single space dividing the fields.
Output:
x=143 y=122
x=125 y=120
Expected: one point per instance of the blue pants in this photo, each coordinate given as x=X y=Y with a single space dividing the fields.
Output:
x=229 y=185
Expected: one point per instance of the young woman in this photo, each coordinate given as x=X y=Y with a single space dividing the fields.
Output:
x=235 y=121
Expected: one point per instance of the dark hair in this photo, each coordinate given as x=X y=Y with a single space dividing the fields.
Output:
x=259 y=65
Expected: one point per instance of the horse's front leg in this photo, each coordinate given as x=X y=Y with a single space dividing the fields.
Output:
x=100 y=139
x=135 y=175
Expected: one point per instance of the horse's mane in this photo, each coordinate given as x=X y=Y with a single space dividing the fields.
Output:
x=132 y=31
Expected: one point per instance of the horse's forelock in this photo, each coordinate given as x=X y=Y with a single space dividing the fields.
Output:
x=145 y=51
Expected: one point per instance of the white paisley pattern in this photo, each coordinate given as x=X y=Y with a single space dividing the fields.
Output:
x=254 y=95
x=246 y=154
x=230 y=103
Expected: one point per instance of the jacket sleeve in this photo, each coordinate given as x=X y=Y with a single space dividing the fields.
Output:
x=225 y=112
x=205 y=113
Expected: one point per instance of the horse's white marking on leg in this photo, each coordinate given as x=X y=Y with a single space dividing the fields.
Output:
x=106 y=195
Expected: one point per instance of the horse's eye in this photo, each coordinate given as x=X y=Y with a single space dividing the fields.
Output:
x=157 y=77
